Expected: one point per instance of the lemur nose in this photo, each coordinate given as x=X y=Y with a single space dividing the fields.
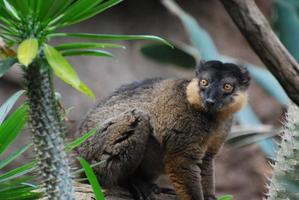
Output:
x=210 y=102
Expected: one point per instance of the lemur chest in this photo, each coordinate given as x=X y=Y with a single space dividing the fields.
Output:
x=216 y=137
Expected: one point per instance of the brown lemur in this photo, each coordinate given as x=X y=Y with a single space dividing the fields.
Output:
x=172 y=126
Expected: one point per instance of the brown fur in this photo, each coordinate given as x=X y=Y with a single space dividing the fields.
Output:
x=157 y=126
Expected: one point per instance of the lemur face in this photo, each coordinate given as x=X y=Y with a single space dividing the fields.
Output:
x=222 y=86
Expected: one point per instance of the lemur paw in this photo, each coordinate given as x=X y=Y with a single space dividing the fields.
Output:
x=210 y=197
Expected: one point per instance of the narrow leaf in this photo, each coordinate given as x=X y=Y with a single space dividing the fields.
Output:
x=5 y=108
x=86 y=90
x=61 y=66
x=87 y=45
x=94 y=11
x=80 y=140
x=86 y=53
x=226 y=197
x=12 y=127
x=11 y=9
x=65 y=71
x=27 y=51
x=111 y=37
x=17 y=172
x=92 y=179
x=77 y=8
x=14 y=155
x=15 y=181
x=5 y=65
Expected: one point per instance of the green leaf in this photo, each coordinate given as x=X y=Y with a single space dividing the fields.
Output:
x=6 y=64
x=12 y=127
x=61 y=66
x=92 y=179
x=64 y=70
x=80 y=140
x=226 y=197
x=165 y=54
x=75 y=9
x=86 y=90
x=111 y=37
x=11 y=9
x=27 y=51
x=87 y=45
x=17 y=172
x=14 y=155
x=21 y=7
x=5 y=108
x=19 y=189
x=15 y=181
x=94 y=11
x=86 y=53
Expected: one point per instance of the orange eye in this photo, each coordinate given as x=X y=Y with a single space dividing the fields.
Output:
x=204 y=82
x=228 y=87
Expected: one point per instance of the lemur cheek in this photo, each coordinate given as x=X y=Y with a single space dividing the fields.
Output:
x=240 y=100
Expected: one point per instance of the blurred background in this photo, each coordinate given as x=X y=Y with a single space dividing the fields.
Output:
x=243 y=164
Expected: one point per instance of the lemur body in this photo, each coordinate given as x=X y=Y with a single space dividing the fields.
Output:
x=172 y=126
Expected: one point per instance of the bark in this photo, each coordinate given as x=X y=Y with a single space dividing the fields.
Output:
x=260 y=36
x=47 y=129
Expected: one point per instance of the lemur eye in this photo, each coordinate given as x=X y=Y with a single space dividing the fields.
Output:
x=204 y=82
x=228 y=87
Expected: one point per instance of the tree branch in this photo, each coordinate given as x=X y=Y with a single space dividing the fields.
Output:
x=260 y=36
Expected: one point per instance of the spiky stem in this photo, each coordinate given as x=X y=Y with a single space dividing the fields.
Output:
x=47 y=130
x=286 y=170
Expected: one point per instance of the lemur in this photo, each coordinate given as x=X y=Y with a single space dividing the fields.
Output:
x=166 y=126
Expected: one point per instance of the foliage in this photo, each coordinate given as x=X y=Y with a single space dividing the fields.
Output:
x=13 y=185
x=32 y=23
x=284 y=183
x=16 y=183
x=92 y=179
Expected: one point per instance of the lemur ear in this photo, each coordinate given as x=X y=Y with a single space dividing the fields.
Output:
x=199 y=67
x=245 y=75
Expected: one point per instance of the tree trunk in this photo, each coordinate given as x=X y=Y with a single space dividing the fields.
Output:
x=47 y=129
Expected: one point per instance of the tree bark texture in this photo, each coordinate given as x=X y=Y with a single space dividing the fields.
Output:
x=46 y=127
x=260 y=36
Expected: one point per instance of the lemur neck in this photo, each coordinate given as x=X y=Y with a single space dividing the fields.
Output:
x=192 y=92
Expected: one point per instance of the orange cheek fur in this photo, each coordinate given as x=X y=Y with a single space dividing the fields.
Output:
x=239 y=102
x=193 y=96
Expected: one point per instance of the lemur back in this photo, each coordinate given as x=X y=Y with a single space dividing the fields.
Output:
x=172 y=126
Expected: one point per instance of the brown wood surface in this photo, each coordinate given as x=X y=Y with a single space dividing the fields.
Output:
x=84 y=192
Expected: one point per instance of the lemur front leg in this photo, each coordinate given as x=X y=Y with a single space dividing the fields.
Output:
x=207 y=166
x=207 y=173
x=120 y=145
x=184 y=172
